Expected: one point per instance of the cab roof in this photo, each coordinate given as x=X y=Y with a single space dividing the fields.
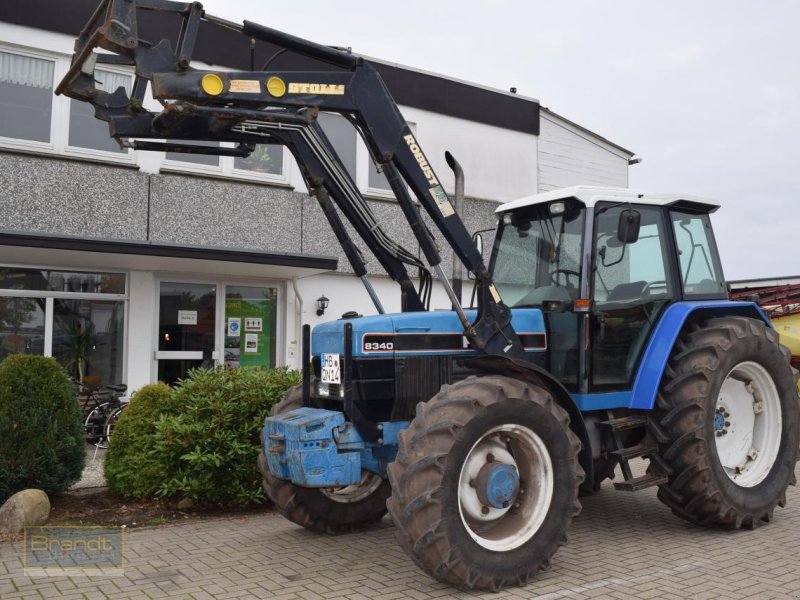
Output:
x=591 y=195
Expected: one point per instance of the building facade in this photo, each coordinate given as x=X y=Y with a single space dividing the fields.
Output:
x=137 y=266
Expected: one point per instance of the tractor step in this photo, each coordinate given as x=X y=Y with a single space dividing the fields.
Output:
x=634 y=451
x=640 y=483
x=624 y=423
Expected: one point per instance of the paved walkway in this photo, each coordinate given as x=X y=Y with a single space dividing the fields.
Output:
x=622 y=546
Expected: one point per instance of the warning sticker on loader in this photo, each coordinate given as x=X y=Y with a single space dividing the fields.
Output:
x=245 y=86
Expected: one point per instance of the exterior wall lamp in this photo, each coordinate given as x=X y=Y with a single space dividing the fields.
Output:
x=322 y=304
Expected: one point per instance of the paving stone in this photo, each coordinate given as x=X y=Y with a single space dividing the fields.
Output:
x=621 y=546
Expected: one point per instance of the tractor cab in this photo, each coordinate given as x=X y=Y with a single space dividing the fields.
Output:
x=603 y=264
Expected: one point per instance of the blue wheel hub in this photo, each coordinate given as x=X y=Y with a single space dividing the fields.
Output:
x=719 y=421
x=497 y=484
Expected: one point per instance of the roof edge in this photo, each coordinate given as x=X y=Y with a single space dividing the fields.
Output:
x=545 y=110
x=165 y=249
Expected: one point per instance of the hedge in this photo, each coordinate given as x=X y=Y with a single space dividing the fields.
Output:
x=200 y=439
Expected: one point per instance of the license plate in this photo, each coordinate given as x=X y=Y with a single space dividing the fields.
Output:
x=331 y=369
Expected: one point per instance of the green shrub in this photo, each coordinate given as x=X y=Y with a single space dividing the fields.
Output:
x=41 y=433
x=131 y=469
x=201 y=440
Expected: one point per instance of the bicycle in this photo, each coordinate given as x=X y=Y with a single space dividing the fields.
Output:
x=99 y=422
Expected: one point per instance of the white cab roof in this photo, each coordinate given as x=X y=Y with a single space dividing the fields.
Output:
x=591 y=195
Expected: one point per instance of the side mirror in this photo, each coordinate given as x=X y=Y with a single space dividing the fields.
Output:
x=628 y=227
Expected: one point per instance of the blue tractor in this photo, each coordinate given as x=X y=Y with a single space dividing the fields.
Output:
x=601 y=332
x=618 y=297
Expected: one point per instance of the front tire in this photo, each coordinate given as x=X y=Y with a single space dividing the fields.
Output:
x=336 y=510
x=727 y=420
x=452 y=522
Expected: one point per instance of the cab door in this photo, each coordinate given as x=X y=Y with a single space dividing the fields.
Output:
x=631 y=285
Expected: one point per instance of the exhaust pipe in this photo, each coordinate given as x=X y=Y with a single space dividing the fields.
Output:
x=459 y=208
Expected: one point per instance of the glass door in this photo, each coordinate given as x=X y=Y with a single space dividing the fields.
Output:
x=250 y=325
x=186 y=326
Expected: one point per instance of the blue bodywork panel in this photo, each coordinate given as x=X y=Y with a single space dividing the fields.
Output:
x=656 y=353
x=313 y=447
x=329 y=337
x=317 y=448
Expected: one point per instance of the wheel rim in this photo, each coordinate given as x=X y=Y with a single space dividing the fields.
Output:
x=93 y=427
x=358 y=491
x=111 y=424
x=748 y=424
x=484 y=486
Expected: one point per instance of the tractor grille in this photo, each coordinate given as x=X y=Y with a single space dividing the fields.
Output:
x=418 y=379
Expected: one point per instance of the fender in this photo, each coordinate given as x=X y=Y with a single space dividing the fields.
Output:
x=665 y=334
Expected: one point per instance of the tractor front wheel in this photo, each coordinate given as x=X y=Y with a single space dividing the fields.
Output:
x=485 y=483
x=334 y=510
x=727 y=420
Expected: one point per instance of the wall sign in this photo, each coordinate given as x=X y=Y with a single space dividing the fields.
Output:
x=234 y=326
x=251 y=343
x=187 y=317
x=253 y=324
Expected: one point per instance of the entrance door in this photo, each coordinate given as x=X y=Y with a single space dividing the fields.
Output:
x=186 y=328
x=250 y=325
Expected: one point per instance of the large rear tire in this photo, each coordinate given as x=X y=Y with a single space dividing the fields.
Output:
x=727 y=419
x=335 y=510
x=451 y=519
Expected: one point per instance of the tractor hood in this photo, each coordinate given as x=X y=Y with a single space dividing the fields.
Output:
x=419 y=333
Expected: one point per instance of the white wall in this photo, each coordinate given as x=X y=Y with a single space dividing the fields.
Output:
x=569 y=156
x=499 y=164
x=141 y=317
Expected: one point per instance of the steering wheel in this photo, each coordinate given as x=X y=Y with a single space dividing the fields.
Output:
x=567 y=274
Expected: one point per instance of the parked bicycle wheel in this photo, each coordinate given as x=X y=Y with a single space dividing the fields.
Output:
x=111 y=423
x=95 y=424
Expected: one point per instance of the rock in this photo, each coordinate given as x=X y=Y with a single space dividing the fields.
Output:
x=28 y=508
x=185 y=503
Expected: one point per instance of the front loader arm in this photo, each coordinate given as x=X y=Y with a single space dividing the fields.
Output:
x=196 y=110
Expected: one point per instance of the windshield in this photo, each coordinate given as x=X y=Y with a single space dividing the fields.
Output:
x=536 y=255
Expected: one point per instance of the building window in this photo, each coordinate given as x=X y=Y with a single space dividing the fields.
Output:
x=342 y=137
x=266 y=158
x=21 y=326
x=26 y=97
x=208 y=160
x=78 y=317
x=85 y=131
x=88 y=338
x=378 y=181
x=57 y=280
x=375 y=181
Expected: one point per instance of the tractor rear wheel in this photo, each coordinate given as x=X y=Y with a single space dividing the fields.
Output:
x=334 y=510
x=727 y=420
x=485 y=483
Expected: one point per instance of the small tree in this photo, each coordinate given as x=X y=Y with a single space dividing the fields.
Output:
x=41 y=434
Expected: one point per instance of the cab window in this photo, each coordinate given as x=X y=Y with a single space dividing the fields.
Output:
x=631 y=285
x=701 y=275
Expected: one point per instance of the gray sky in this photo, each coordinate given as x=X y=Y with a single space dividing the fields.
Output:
x=707 y=93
